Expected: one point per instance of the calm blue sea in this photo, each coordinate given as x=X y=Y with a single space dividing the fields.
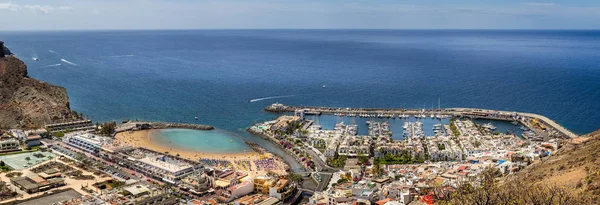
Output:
x=213 y=74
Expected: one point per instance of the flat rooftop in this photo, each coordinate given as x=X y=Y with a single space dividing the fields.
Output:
x=170 y=167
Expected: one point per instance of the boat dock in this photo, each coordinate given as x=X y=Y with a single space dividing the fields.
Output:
x=526 y=119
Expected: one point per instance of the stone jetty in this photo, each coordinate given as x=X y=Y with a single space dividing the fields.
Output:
x=131 y=126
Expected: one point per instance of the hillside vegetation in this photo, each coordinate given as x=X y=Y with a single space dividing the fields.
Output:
x=569 y=176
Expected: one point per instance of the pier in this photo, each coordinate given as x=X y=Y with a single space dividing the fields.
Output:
x=453 y=112
x=131 y=126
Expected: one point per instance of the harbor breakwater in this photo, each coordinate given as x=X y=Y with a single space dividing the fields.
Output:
x=165 y=125
x=451 y=112
x=132 y=126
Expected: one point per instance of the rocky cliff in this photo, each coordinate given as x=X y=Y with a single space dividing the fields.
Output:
x=26 y=102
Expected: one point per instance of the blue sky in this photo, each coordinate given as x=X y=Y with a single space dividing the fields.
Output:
x=318 y=14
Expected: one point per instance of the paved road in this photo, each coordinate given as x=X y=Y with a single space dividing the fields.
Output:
x=325 y=177
x=320 y=163
x=324 y=170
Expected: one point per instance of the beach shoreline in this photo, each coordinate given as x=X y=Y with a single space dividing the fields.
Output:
x=142 y=138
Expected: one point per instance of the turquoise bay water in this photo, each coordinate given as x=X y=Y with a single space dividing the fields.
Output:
x=213 y=141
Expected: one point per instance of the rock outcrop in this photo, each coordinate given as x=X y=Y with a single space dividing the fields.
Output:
x=2 y=54
x=26 y=102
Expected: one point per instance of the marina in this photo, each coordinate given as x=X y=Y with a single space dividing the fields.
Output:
x=529 y=120
x=328 y=122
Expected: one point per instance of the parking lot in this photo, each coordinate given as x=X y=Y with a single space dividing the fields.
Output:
x=120 y=173
x=66 y=152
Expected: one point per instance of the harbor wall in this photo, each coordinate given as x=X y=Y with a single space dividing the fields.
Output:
x=131 y=126
x=454 y=112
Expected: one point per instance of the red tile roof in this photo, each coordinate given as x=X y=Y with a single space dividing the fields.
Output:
x=383 y=201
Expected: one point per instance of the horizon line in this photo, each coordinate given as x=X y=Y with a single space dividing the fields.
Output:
x=324 y=29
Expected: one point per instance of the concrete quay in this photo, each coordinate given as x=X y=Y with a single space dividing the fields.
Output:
x=453 y=112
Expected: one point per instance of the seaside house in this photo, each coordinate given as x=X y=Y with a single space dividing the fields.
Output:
x=9 y=145
x=198 y=183
x=239 y=190
x=32 y=140
x=274 y=187
x=78 y=125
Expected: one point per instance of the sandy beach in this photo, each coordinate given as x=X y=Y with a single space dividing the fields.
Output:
x=141 y=139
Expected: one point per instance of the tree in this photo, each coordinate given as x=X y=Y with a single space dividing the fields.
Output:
x=59 y=134
x=341 y=180
x=441 y=146
x=296 y=177
x=363 y=159
x=27 y=158
x=375 y=170
x=108 y=128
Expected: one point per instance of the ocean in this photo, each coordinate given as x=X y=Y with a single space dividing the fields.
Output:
x=226 y=77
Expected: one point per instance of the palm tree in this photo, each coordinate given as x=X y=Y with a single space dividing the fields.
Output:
x=295 y=177
x=375 y=169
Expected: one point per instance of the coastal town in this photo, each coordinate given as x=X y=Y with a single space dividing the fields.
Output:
x=418 y=169
x=74 y=161
x=292 y=159
x=78 y=162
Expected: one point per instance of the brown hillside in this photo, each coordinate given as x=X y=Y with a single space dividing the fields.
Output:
x=576 y=167
x=26 y=102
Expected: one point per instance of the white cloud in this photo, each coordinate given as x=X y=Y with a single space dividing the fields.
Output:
x=538 y=3
x=39 y=8
x=9 y=6
x=46 y=9
x=65 y=8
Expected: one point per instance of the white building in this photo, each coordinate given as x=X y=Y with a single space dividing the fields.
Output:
x=85 y=141
x=240 y=190
x=166 y=167
x=9 y=145
x=19 y=134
